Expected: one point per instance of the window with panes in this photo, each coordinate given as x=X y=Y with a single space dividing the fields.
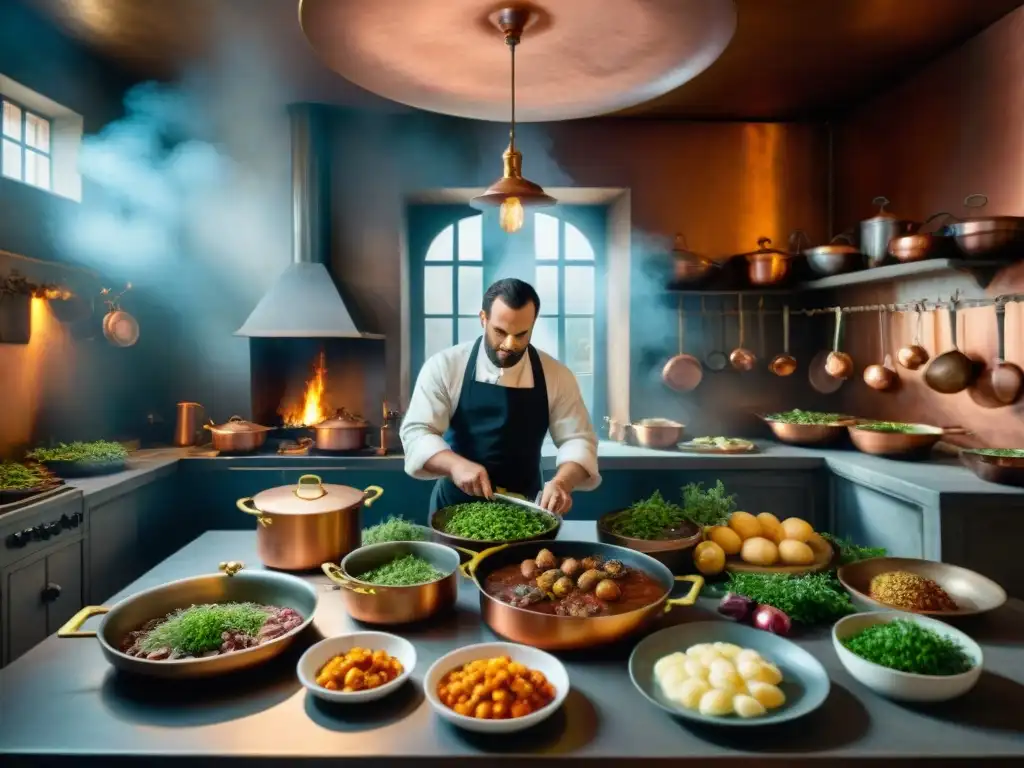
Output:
x=25 y=148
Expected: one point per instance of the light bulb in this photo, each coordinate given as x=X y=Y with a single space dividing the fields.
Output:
x=510 y=216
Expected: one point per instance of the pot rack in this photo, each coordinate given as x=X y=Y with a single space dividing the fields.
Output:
x=916 y=305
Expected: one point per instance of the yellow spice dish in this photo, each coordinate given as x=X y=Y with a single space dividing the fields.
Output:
x=359 y=669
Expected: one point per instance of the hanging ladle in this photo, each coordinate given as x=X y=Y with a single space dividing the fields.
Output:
x=742 y=359
x=914 y=356
x=881 y=376
x=952 y=371
x=838 y=365
x=784 y=364
x=1001 y=383
x=716 y=360
x=683 y=372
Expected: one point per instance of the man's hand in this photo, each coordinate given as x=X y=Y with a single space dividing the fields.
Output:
x=472 y=479
x=556 y=498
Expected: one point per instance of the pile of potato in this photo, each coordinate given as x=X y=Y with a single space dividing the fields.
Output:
x=761 y=540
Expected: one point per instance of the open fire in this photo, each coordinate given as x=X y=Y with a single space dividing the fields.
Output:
x=312 y=408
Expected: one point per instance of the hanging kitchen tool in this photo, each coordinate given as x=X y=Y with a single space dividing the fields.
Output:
x=876 y=232
x=760 y=329
x=440 y=56
x=767 y=266
x=914 y=356
x=689 y=268
x=683 y=372
x=916 y=245
x=988 y=237
x=838 y=365
x=119 y=327
x=952 y=371
x=1000 y=384
x=783 y=364
x=838 y=256
x=716 y=360
x=881 y=376
x=742 y=359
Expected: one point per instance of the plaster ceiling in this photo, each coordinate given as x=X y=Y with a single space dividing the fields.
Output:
x=789 y=58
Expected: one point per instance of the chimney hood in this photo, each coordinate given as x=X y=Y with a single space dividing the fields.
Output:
x=303 y=301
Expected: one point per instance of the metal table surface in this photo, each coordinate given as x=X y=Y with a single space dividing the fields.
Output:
x=61 y=703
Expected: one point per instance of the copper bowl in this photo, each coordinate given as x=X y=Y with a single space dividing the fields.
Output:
x=972 y=592
x=916 y=442
x=675 y=553
x=439 y=517
x=659 y=434
x=920 y=246
x=807 y=434
x=380 y=605
x=562 y=633
x=1002 y=470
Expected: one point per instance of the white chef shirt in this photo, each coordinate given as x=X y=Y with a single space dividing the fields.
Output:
x=437 y=392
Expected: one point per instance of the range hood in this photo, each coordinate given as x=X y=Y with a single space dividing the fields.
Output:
x=304 y=302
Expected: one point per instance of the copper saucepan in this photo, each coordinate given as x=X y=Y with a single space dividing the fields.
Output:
x=897 y=439
x=561 y=633
x=237 y=435
x=683 y=372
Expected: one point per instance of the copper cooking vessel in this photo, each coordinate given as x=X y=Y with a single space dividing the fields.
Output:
x=913 y=356
x=676 y=553
x=308 y=524
x=766 y=265
x=741 y=358
x=917 y=245
x=807 y=434
x=838 y=365
x=783 y=364
x=881 y=442
x=988 y=237
x=562 y=633
x=237 y=435
x=1004 y=470
x=658 y=434
x=689 y=268
x=344 y=432
x=882 y=376
x=374 y=604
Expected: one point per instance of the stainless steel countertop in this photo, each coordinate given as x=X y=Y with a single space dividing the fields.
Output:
x=62 y=700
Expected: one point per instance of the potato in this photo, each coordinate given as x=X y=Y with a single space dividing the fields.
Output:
x=672 y=676
x=759 y=551
x=698 y=650
x=770 y=696
x=771 y=528
x=723 y=667
x=716 y=703
x=749 y=669
x=793 y=552
x=747 y=654
x=728 y=650
x=747 y=706
x=676 y=659
x=745 y=524
x=729 y=682
x=726 y=538
x=709 y=558
x=695 y=669
x=819 y=546
x=798 y=529
x=689 y=693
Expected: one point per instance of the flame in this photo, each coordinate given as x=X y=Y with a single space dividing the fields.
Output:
x=313 y=408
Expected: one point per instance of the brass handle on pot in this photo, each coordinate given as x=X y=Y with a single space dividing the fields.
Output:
x=335 y=574
x=691 y=596
x=310 y=494
x=249 y=508
x=469 y=567
x=74 y=624
x=231 y=567
x=372 y=493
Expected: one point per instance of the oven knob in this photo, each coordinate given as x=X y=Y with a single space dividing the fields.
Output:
x=65 y=522
x=43 y=531
x=53 y=528
x=17 y=540
x=77 y=518
x=51 y=593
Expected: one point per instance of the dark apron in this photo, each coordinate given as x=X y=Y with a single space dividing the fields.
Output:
x=500 y=428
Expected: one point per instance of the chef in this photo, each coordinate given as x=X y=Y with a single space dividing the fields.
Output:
x=480 y=411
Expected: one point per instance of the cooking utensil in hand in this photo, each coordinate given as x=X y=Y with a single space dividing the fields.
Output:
x=716 y=360
x=881 y=376
x=838 y=256
x=742 y=359
x=766 y=265
x=952 y=371
x=914 y=356
x=683 y=372
x=990 y=237
x=511 y=498
x=838 y=365
x=879 y=230
x=689 y=267
x=784 y=364
x=1000 y=384
x=917 y=245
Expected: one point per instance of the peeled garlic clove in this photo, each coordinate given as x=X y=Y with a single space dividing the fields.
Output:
x=770 y=696
x=747 y=706
x=716 y=703
x=689 y=693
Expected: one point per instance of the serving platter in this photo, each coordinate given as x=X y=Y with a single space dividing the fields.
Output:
x=742 y=446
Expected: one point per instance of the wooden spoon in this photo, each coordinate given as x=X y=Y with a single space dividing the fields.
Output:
x=952 y=371
x=999 y=385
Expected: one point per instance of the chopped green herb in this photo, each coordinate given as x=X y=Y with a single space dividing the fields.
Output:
x=403 y=571
x=99 y=451
x=16 y=477
x=895 y=427
x=816 y=598
x=1006 y=453
x=200 y=628
x=650 y=518
x=495 y=521
x=796 y=416
x=907 y=646
x=394 y=529
x=850 y=552
x=711 y=507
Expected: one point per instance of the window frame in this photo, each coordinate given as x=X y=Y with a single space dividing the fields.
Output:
x=22 y=143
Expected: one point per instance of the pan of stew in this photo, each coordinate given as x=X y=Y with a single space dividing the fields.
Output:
x=563 y=595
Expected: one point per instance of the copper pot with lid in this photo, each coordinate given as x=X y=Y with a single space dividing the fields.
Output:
x=237 y=435
x=766 y=265
x=304 y=525
x=345 y=432
x=689 y=267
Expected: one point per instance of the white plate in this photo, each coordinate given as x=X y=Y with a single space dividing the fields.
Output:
x=313 y=660
x=906 y=686
x=532 y=658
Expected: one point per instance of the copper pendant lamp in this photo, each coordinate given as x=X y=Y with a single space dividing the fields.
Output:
x=512 y=193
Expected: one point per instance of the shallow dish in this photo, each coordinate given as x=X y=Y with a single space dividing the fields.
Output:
x=906 y=686
x=676 y=553
x=972 y=592
x=439 y=517
x=313 y=660
x=804 y=680
x=532 y=658
x=84 y=468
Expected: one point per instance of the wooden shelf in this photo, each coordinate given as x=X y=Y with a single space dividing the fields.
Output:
x=982 y=271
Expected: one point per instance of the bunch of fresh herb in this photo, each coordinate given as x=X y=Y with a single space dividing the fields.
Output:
x=394 y=529
x=16 y=476
x=816 y=598
x=906 y=646
x=650 y=518
x=96 y=452
x=495 y=521
x=198 y=629
x=895 y=427
x=852 y=553
x=711 y=507
x=797 y=416
x=403 y=572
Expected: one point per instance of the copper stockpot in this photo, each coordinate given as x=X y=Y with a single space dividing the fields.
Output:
x=237 y=435
x=767 y=266
x=345 y=432
x=562 y=633
x=374 y=604
x=308 y=524
x=883 y=443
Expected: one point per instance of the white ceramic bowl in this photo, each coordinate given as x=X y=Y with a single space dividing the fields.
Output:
x=906 y=686
x=313 y=660
x=533 y=658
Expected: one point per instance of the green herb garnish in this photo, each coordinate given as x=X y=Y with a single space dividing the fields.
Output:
x=852 y=553
x=816 y=598
x=796 y=416
x=17 y=477
x=198 y=629
x=403 y=571
x=650 y=518
x=97 y=452
x=711 y=507
x=895 y=427
x=906 y=646
x=495 y=521
x=1006 y=453
x=394 y=529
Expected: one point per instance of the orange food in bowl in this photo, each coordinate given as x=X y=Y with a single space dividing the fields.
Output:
x=359 y=669
x=495 y=689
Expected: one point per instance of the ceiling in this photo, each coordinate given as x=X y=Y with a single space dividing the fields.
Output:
x=789 y=59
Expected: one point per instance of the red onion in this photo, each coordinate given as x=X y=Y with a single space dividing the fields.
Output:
x=771 y=619
x=736 y=607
